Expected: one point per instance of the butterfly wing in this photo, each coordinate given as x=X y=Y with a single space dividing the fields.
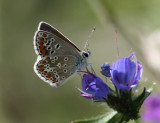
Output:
x=56 y=70
x=50 y=44
x=46 y=27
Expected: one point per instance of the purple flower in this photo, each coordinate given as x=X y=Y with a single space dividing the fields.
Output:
x=106 y=69
x=125 y=73
x=93 y=87
x=152 y=109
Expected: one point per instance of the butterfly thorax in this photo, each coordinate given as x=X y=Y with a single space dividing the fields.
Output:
x=84 y=60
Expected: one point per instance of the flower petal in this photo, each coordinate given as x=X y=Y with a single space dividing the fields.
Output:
x=106 y=69
x=93 y=87
x=126 y=73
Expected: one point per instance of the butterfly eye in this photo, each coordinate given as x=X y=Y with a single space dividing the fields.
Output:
x=86 y=54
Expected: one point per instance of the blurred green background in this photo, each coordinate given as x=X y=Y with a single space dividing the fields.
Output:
x=24 y=98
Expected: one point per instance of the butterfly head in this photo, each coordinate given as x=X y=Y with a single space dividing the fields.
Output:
x=86 y=54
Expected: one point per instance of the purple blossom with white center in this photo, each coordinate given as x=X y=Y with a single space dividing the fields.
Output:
x=152 y=109
x=93 y=87
x=125 y=73
x=106 y=69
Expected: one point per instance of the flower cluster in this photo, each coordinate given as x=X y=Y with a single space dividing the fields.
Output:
x=125 y=74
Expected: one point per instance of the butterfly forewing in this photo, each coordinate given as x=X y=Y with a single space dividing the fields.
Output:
x=48 y=44
x=46 y=27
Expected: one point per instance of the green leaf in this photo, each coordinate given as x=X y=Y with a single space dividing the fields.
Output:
x=140 y=97
x=110 y=117
x=138 y=101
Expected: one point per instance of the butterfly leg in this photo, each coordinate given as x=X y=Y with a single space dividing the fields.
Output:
x=87 y=70
x=82 y=77
x=92 y=70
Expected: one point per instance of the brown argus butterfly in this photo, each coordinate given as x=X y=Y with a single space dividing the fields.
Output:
x=58 y=58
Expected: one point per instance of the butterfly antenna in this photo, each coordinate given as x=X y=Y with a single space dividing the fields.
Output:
x=89 y=37
x=117 y=45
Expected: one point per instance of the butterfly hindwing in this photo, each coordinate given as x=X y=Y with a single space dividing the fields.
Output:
x=56 y=70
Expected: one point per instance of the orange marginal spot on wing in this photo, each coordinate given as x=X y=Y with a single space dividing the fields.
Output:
x=41 y=66
x=40 y=43
x=45 y=72
x=49 y=75
x=54 y=79
x=42 y=47
x=43 y=52
x=44 y=35
x=43 y=62
x=47 y=58
x=42 y=70
x=41 y=39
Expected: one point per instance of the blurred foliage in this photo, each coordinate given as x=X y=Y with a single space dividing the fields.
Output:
x=23 y=96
